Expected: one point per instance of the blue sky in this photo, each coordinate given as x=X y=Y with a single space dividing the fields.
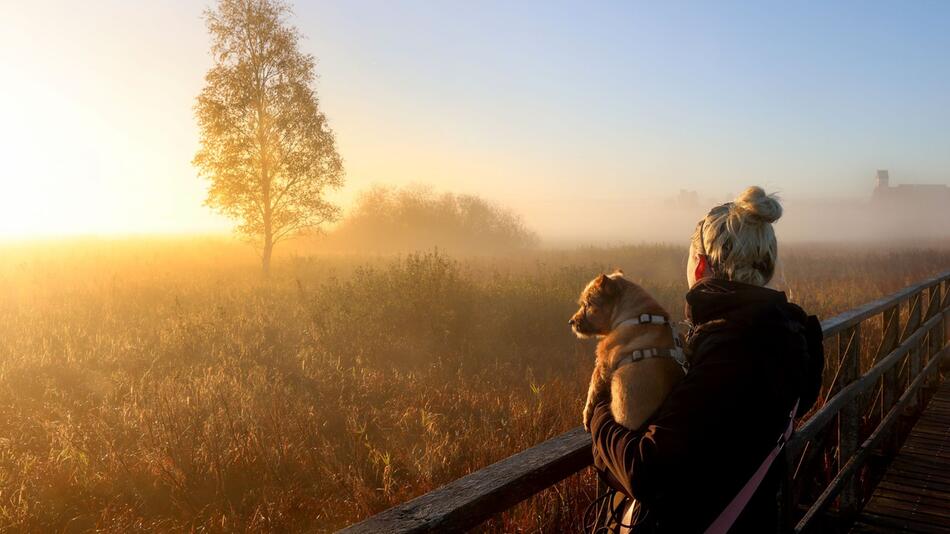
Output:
x=548 y=107
x=806 y=96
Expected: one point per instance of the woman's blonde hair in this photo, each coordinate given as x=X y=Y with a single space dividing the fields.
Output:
x=738 y=239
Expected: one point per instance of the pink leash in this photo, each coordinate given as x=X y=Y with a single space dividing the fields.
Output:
x=724 y=522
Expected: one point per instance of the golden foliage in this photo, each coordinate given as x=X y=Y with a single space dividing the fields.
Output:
x=265 y=147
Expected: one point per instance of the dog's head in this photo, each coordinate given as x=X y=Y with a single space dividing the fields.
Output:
x=597 y=303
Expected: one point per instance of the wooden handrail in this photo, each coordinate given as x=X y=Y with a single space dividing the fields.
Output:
x=826 y=413
x=851 y=459
x=836 y=324
x=470 y=500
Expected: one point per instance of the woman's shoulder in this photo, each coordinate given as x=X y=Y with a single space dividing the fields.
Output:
x=775 y=329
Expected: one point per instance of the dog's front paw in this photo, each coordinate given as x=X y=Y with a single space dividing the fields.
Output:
x=588 y=415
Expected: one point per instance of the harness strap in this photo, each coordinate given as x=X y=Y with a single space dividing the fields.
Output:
x=724 y=522
x=643 y=354
x=675 y=353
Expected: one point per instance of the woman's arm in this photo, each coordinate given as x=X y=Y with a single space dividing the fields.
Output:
x=643 y=461
x=627 y=458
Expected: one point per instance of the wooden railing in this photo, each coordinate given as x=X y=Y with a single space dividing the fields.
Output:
x=865 y=401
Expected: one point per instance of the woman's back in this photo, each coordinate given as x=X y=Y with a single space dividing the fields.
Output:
x=753 y=355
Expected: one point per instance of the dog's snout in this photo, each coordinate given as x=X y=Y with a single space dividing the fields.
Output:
x=571 y=321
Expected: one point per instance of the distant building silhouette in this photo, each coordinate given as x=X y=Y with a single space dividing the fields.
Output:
x=920 y=196
x=908 y=211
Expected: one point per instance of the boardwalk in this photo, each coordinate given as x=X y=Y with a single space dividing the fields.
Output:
x=914 y=495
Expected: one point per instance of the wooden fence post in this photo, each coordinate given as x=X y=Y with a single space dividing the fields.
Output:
x=943 y=336
x=945 y=304
x=934 y=336
x=849 y=418
x=913 y=358
x=890 y=338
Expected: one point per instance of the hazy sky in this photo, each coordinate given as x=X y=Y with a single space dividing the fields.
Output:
x=551 y=108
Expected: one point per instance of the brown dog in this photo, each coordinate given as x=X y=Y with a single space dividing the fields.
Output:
x=639 y=357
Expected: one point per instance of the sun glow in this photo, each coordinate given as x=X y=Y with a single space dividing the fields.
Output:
x=67 y=170
x=93 y=141
x=50 y=181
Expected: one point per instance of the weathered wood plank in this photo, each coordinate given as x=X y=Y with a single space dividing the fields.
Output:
x=864 y=528
x=915 y=509
x=915 y=492
x=928 y=457
x=899 y=524
x=923 y=515
x=900 y=495
x=921 y=473
x=470 y=500
x=913 y=479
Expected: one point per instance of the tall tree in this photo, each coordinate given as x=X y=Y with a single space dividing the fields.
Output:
x=265 y=146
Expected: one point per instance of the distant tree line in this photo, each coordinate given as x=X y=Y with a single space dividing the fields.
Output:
x=386 y=219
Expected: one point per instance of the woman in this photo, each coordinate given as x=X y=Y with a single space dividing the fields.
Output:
x=752 y=354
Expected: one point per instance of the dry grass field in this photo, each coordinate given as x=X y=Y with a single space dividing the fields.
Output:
x=165 y=386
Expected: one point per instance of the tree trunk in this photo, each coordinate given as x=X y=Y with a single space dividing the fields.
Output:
x=266 y=255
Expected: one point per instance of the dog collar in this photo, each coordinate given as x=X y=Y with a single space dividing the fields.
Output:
x=645 y=318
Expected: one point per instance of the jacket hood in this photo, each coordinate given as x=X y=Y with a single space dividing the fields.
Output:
x=736 y=302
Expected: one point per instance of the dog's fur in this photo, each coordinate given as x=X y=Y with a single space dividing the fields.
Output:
x=637 y=389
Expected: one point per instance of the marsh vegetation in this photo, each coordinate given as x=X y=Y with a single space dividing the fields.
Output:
x=165 y=385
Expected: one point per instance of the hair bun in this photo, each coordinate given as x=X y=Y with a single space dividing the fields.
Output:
x=754 y=205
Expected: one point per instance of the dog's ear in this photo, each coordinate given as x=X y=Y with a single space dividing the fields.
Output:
x=605 y=284
x=619 y=271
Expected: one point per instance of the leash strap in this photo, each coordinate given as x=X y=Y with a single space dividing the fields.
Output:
x=724 y=522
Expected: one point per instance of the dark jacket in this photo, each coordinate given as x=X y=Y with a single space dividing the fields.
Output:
x=752 y=355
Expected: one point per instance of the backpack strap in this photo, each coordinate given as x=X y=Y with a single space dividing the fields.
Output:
x=724 y=522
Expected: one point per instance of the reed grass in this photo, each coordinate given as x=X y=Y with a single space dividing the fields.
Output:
x=165 y=386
